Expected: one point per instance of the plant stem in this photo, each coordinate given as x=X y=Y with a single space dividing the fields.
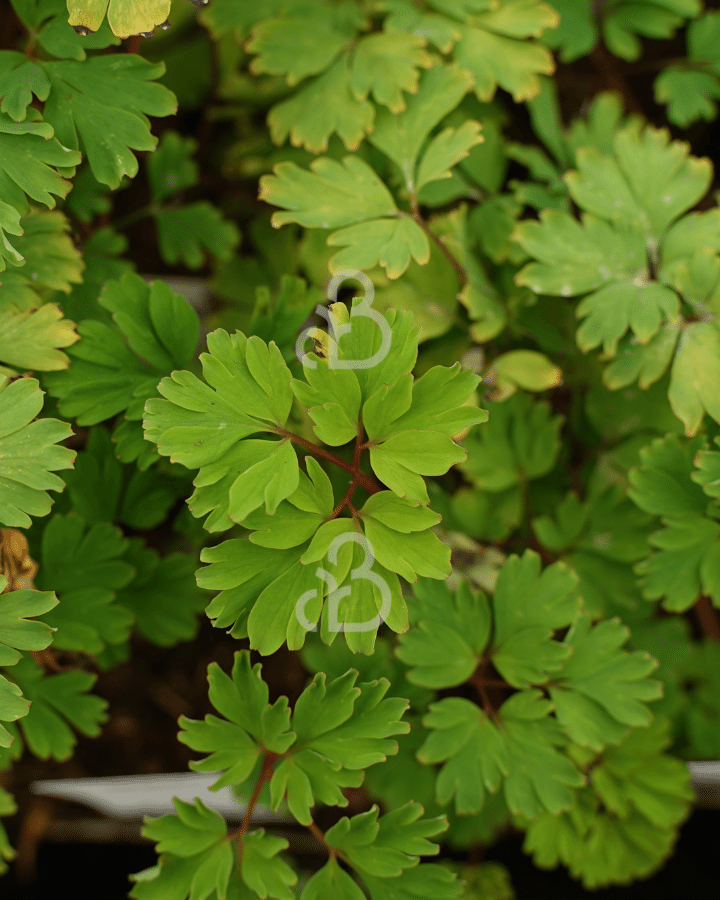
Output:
x=417 y=217
x=133 y=217
x=606 y=65
x=707 y=618
x=313 y=829
x=267 y=770
x=370 y=485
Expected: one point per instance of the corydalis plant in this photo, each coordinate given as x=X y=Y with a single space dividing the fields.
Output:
x=406 y=427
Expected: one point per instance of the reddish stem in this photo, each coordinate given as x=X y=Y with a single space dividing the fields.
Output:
x=707 y=618
x=370 y=485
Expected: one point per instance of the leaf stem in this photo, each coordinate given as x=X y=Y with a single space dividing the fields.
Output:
x=313 y=829
x=707 y=618
x=417 y=217
x=265 y=775
x=360 y=477
x=133 y=217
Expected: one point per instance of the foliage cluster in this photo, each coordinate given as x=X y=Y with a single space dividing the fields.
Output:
x=495 y=472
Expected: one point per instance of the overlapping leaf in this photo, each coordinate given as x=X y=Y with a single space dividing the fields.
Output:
x=599 y=540
x=48 y=20
x=82 y=565
x=101 y=106
x=322 y=753
x=101 y=489
x=520 y=442
x=196 y=855
x=57 y=703
x=625 y=820
x=690 y=91
x=497 y=47
x=687 y=563
x=609 y=686
x=30 y=158
x=623 y=23
x=480 y=756
x=29 y=454
x=107 y=374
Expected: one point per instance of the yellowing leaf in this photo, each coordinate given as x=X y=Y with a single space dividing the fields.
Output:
x=385 y=64
x=526 y=369
x=331 y=195
x=326 y=106
x=125 y=17
x=695 y=376
x=386 y=242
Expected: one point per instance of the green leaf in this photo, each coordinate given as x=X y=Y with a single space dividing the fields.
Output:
x=29 y=160
x=195 y=828
x=661 y=483
x=190 y=233
x=390 y=243
x=195 y=833
x=440 y=401
x=82 y=565
x=445 y=150
x=428 y=881
x=163 y=596
x=171 y=169
x=691 y=94
x=16 y=631
x=12 y=707
x=101 y=106
x=261 y=868
x=161 y=329
x=57 y=702
x=526 y=369
x=647 y=183
x=575 y=258
x=324 y=107
x=357 y=723
x=528 y=606
x=687 y=565
x=51 y=258
x=625 y=820
x=31 y=339
x=385 y=64
x=387 y=846
x=452 y=632
x=402 y=136
x=520 y=441
x=235 y=743
x=58 y=37
x=401 y=459
x=650 y=18
x=576 y=34
x=641 y=307
x=611 y=685
x=103 y=490
x=496 y=49
x=332 y=881
x=478 y=755
x=20 y=79
x=421 y=553
x=330 y=195
x=297 y=46
x=694 y=374
x=28 y=455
